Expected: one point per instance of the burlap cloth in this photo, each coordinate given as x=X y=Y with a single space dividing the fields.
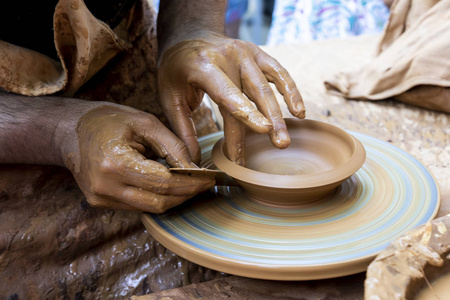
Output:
x=53 y=245
x=412 y=62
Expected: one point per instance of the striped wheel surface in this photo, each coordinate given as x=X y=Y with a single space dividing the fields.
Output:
x=227 y=231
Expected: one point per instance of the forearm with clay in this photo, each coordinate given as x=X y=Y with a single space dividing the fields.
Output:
x=103 y=145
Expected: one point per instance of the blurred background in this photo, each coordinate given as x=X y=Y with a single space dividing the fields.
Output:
x=274 y=22
x=249 y=20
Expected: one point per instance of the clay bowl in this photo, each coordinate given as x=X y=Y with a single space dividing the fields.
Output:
x=320 y=157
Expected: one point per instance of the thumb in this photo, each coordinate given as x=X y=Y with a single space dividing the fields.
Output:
x=163 y=142
x=179 y=115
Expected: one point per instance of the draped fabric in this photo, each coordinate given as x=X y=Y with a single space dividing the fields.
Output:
x=412 y=62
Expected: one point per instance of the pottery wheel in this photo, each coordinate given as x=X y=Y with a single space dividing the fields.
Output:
x=340 y=235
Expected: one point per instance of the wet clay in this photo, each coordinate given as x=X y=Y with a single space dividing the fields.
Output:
x=55 y=246
x=439 y=289
x=412 y=263
x=319 y=158
x=118 y=148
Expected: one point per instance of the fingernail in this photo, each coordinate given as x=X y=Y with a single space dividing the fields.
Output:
x=257 y=121
x=282 y=139
x=301 y=113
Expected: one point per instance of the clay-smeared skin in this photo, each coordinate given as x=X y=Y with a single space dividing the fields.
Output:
x=103 y=145
x=234 y=74
x=112 y=171
x=234 y=133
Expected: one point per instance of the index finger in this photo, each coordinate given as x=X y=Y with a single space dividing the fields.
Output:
x=227 y=95
x=275 y=73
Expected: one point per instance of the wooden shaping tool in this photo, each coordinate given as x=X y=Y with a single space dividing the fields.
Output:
x=221 y=177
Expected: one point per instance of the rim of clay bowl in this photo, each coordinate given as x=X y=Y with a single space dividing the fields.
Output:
x=337 y=174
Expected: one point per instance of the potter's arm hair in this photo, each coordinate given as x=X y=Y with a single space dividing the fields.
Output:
x=180 y=18
x=32 y=129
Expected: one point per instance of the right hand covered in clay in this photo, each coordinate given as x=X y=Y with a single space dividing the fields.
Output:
x=194 y=57
x=109 y=165
x=236 y=75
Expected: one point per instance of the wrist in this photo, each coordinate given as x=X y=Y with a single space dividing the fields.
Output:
x=188 y=35
x=180 y=20
x=66 y=135
x=195 y=41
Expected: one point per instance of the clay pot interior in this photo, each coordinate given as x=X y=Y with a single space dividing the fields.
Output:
x=320 y=157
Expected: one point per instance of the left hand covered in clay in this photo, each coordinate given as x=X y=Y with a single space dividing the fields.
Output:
x=234 y=74
x=110 y=165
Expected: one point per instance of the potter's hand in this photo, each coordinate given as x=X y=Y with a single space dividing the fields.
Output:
x=234 y=74
x=112 y=171
x=103 y=145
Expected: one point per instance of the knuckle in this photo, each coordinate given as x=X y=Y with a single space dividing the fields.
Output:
x=203 y=55
x=96 y=188
x=192 y=78
x=226 y=91
x=252 y=47
x=238 y=45
x=272 y=64
x=229 y=47
x=95 y=201
x=151 y=118
x=151 y=124
x=265 y=89
x=278 y=68
x=106 y=167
